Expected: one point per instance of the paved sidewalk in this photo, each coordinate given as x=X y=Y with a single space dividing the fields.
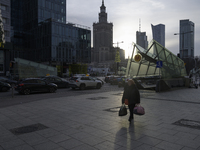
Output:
x=83 y=123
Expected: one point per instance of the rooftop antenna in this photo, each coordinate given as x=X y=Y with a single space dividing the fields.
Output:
x=140 y=25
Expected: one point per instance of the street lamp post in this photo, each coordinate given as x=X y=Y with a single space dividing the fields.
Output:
x=182 y=48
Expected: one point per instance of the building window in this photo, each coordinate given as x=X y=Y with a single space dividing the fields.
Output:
x=5 y=20
x=3 y=7
x=7 y=33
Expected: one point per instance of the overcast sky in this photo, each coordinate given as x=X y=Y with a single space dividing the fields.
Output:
x=125 y=15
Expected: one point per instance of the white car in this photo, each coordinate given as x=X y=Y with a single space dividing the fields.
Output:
x=84 y=82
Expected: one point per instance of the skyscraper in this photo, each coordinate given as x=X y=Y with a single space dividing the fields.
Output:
x=5 y=45
x=159 y=33
x=141 y=39
x=186 y=38
x=102 y=37
x=41 y=33
x=5 y=12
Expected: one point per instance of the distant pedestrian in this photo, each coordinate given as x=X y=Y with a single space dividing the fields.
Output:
x=132 y=96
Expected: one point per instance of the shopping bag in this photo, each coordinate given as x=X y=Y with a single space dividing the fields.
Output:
x=138 y=110
x=123 y=110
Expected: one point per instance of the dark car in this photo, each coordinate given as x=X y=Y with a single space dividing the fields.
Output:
x=11 y=82
x=4 y=87
x=121 y=81
x=32 y=85
x=60 y=82
x=108 y=78
x=114 y=80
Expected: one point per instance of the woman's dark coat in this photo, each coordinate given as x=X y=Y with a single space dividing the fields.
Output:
x=132 y=94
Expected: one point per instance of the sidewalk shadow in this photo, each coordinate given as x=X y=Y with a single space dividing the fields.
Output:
x=123 y=137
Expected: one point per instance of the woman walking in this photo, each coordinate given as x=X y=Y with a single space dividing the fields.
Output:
x=132 y=96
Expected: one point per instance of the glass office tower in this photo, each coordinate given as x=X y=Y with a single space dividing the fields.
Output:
x=43 y=35
x=186 y=38
x=158 y=32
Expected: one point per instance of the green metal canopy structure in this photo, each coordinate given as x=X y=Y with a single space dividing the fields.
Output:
x=146 y=62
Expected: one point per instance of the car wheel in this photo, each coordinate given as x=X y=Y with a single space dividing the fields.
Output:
x=27 y=91
x=98 y=86
x=52 y=89
x=73 y=88
x=4 y=89
x=66 y=85
x=82 y=86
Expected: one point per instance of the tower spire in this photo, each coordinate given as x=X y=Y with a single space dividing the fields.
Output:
x=102 y=2
x=140 y=25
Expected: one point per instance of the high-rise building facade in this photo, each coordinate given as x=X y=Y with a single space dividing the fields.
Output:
x=141 y=39
x=5 y=12
x=40 y=33
x=5 y=45
x=186 y=38
x=102 y=38
x=159 y=33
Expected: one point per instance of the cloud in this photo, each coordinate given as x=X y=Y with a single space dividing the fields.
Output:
x=155 y=4
x=125 y=15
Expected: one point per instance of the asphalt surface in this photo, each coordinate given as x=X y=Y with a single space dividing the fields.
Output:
x=7 y=99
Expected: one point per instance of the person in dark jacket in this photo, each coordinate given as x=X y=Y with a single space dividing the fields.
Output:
x=132 y=95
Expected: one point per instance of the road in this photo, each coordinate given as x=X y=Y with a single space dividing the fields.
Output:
x=6 y=98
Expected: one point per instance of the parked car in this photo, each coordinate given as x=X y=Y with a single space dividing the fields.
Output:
x=60 y=82
x=84 y=82
x=121 y=81
x=80 y=75
x=11 y=82
x=4 y=87
x=107 y=78
x=102 y=82
x=73 y=78
x=114 y=80
x=31 y=85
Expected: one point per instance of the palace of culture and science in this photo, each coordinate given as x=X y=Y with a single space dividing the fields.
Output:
x=103 y=53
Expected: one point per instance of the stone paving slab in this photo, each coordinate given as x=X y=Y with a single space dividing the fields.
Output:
x=82 y=123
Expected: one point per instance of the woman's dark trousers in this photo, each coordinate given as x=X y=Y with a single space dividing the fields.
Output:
x=131 y=107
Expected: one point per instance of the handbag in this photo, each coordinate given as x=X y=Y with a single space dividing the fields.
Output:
x=123 y=110
x=138 y=110
x=126 y=101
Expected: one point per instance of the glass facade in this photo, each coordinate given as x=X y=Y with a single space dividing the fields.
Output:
x=55 y=9
x=46 y=37
x=29 y=69
x=5 y=12
x=172 y=66
x=70 y=44
x=186 y=38
x=1 y=61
